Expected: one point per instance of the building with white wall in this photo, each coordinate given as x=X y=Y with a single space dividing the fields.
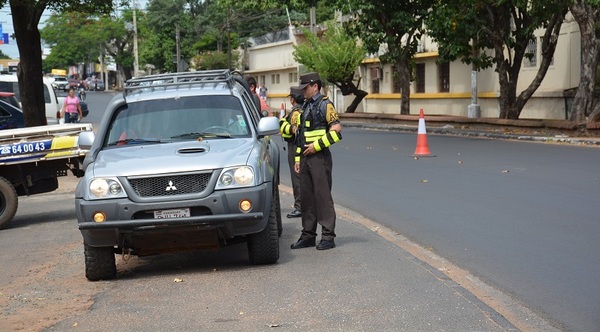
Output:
x=444 y=89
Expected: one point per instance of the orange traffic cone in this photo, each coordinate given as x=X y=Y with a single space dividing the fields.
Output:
x=422 y=149
x=282 y=111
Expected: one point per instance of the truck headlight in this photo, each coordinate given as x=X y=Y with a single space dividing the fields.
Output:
x=103 y=188
x=236 y=177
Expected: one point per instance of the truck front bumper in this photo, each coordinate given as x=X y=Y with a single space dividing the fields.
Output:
x=220 y=210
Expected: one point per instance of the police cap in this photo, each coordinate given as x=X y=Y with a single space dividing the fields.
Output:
x=295 y=91
x=308 y=78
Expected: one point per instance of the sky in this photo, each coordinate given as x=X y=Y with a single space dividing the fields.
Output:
x=7 y=27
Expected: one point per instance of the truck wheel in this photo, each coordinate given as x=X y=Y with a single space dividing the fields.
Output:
x=263 y=247
x=9 y=201
x=99 y=263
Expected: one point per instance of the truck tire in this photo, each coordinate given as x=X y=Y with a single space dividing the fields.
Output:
x=263 y=247
x=99 y=263
x=9 y=202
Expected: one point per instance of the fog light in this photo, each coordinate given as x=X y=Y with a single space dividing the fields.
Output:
x=99 y=217
x=245 y=205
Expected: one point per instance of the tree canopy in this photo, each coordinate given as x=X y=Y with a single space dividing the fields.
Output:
x=391 y=29
x=335 y=57
x=506 y=27
x=26 y=15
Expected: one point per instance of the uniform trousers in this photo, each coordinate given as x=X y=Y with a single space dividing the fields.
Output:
x=294 y=176
x=315 y=190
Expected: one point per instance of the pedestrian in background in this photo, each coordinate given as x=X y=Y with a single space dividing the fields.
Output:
x=288 y=127
x=72 y=108
x=261 y=103
x=263 y=92
x=318 y=129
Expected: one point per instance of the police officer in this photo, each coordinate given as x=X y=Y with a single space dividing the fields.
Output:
x=288 y=127
x=319 y=127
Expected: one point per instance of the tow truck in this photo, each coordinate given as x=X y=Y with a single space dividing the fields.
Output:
x=32 y=159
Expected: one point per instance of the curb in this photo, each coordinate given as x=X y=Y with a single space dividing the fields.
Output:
x=498 y=133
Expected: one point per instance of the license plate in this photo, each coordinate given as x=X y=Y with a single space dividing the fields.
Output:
x=174 y=213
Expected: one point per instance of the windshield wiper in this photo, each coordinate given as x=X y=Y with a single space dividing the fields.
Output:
x=134 y=141
x=204 y=134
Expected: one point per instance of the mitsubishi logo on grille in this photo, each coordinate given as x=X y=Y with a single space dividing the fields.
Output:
x=170 y=187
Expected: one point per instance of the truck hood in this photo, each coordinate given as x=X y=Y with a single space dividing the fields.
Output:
x=146 y=159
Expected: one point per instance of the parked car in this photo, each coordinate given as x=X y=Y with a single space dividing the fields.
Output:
x=60 y=83
x=84 y=108
x=10 y=116
x=11 y=98
x=73 y=83
x=184 y=164
x=9 y=83
x=100 y=85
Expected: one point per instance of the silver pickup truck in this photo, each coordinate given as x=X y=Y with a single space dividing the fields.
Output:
x=180 y=161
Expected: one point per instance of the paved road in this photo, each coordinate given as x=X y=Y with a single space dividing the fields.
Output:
x=521 y=216
x=368 y=283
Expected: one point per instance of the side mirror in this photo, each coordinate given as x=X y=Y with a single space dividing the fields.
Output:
x=86 y=139
x=268 y=126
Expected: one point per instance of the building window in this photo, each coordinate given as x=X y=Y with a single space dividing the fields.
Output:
x=277 y=79
x=374 y=79
x=553 y=38
x=272 y=79
x=395 y=81
x=262 y=79
x=420 y=78
x=444 y=76
x=530 y=59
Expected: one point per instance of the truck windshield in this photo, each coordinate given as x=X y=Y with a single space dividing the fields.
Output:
x=177 y=119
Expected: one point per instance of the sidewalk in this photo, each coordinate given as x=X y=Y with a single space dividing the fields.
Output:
x=392 y=284
x=538 y=130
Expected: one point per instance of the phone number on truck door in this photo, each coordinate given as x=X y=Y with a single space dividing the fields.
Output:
x=25 y=147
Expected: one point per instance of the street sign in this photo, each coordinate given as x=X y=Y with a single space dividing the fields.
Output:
x=183 y=66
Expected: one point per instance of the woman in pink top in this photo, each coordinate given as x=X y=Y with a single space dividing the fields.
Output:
x=72 y=108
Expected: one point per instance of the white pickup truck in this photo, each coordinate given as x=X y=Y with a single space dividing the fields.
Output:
x=32 y=159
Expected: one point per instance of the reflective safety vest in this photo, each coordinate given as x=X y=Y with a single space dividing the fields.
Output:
x=285 y=124
x=315 y=127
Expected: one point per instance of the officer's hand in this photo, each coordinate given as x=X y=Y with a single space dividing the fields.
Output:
x=310 y=149
x=297 y=167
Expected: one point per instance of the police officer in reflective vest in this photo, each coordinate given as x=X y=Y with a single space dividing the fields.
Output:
x=288 y=126
x=319 y=128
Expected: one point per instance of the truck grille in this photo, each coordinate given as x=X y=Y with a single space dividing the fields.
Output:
x=170 y=185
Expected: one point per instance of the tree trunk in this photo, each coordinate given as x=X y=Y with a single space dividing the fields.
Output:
x=549 y=41
x=595 y=115
x=508 y=64
x=26 y=16
x=584 y=102
x=359 y=96
x=403 y=69
x=507 y=97
x=350 y=88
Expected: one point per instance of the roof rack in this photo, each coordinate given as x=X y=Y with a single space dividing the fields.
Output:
x=163 y=81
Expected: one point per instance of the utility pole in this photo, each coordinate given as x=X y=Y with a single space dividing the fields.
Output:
x=474 y=111
x=135 y=44
x=178 y=54
x=313 y=17
x=229 y=37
